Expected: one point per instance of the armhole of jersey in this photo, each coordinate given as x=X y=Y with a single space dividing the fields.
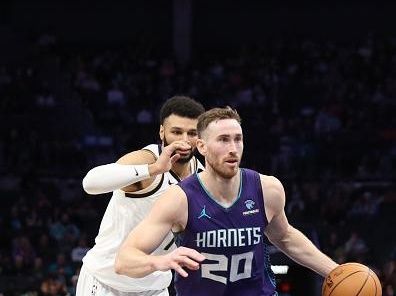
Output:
x=153 y=187
x=260 y=193
x=152 y=153
x=180 y=235
x=146 y=193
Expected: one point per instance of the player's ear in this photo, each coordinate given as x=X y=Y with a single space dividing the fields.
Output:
x=161 y=132
x=201 y=146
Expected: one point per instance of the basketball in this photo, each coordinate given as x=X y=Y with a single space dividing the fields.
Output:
x=351 y=279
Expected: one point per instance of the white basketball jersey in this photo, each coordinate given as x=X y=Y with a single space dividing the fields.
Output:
x=123 y=213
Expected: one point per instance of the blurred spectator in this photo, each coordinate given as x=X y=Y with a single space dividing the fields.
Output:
x=38 y=271
x=115 y=96
x=46 y=248
x=23 y=252
x=144 y=116
x=389 y=275
x=51 y=286
x=64 y=230
x=389 y=290
x=61 y=268
x=80 y=250
x=355 y=247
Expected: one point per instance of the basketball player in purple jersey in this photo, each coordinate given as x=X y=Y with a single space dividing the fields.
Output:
x=220 y=216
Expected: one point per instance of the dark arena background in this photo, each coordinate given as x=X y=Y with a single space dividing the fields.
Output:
x=81 y=83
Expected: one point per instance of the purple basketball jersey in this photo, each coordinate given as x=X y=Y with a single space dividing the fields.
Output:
x=231 y=239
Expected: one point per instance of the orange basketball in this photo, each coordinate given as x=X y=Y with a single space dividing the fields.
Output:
x=351 y=279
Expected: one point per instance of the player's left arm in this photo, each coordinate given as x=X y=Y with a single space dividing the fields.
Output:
x=285 y=237
x=134 y=257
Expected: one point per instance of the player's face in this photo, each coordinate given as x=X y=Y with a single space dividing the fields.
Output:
x=176 y=128
x=223 y=147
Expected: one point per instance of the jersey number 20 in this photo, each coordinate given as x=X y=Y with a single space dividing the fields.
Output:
x=222 y=265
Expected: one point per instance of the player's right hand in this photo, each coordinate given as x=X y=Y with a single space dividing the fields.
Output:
x=169 y=156
x=178 y=259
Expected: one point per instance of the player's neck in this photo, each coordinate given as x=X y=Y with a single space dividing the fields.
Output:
x=224 y=190
x=182 y=170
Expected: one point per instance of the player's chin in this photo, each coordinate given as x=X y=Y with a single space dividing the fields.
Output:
x=228 y=172
x=185 y=158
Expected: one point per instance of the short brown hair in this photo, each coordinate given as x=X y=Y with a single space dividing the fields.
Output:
x=216 y=114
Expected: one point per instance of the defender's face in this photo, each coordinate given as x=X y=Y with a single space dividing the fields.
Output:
x=222 y=146
x=176 y=128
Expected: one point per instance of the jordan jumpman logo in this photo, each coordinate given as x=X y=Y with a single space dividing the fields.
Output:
x=203 y=214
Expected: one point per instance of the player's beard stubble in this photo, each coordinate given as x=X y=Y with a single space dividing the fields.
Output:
x=182 y=159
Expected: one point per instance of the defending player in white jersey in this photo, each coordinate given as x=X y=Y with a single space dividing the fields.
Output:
x=137 y=179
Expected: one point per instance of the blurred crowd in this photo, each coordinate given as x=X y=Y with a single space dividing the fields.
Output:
x=318 y=115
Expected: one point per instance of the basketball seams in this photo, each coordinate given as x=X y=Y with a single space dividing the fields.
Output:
x=354 y=284
x=344 y=279
x=365 y=281
x=375 y=282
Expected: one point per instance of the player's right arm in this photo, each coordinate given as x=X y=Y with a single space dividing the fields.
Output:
x=134 y=171
x=169 y=212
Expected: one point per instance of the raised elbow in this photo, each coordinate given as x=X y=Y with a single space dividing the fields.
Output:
x=88 y=188
x=89 y=185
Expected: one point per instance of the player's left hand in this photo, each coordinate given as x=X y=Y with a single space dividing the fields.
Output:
x=178 y=259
